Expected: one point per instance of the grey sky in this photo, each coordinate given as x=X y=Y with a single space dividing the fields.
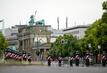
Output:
x=79 y=12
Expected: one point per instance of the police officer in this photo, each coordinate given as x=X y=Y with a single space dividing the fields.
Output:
x=104 y=60
x=77 y=60
x=87 y=62
x=29 y=57
x=71 y=61
x=49 y=61
x=20 y=56
x=24 y=56
x=59 y=61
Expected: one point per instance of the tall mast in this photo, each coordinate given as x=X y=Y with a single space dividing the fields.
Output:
x=58 y=22
x=66 y=22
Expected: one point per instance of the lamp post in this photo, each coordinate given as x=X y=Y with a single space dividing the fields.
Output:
x=91 y=53
x=99 y=55
x=37 y=50
x=89 y=45
x=99 y=47
x=90 y=48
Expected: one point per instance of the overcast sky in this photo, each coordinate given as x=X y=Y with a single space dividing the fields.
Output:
x=79 y=12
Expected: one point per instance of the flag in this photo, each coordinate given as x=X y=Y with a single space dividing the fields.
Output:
x=8 y=54
x=15 y=56
x=12 y=55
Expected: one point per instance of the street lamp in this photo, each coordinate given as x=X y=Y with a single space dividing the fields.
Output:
x=99 y=47
x=91 y=53
x=99 y=56
x=89 y=45
x=90 y=48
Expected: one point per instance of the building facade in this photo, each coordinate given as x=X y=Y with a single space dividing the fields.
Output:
x=33 y=38
x=77 y=31
x=11 y=36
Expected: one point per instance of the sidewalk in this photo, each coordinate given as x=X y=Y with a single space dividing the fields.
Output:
x=54 y=63
x=40 y=63
x=18 y=63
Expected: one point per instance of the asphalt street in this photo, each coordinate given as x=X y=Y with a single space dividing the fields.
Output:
x=52 y=69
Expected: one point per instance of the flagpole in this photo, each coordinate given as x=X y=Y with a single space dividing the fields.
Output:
x=58 y=22
x=66 y=22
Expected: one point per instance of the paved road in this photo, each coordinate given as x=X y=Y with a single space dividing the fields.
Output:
x=52 y=69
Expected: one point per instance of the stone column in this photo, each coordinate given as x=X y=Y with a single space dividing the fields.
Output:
x=23 y=45
x=28 y=44
x=28 y=47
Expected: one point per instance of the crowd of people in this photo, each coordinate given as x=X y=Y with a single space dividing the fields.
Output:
x=87 y=60
x=17 y=56
x=76 y=59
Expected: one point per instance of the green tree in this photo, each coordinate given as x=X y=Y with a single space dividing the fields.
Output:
x=64 y=45
x=104 y=16
x=92 y=36
x=3 y=44
x=104 y=5
x=96 y=34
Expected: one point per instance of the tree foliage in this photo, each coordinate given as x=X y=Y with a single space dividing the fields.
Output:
x=3 y=43
x=65 y=45
x=96 y=34
x=104 y=17
x=92 y=36
x=104 y=5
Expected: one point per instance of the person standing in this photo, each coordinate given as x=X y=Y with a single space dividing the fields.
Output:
x=49 y=61
x=87 y=60
x=59 y=61
x=71 y=61
x=77 y=60
x=104 y=59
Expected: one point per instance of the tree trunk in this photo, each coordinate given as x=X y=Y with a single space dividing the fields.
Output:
x=2 y=56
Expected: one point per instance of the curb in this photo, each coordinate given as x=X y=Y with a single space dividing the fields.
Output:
x=23 y=63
